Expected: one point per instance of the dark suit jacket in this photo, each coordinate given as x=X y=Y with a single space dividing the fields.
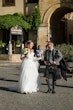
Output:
x=55 y=55
x=63 y=68
x=59 y=61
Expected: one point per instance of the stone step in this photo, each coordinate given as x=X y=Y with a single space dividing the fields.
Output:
x=8 y=63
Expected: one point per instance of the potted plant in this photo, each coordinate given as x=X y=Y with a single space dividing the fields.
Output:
x=2 y=45
x=18 y=43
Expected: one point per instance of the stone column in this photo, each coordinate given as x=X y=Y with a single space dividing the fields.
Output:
x=42 y=36
x=10 y=46
x=22 y=45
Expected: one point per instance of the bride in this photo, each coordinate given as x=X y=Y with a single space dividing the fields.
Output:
x=29 y=80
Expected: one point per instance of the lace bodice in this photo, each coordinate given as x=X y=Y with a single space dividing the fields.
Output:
x=30 y=55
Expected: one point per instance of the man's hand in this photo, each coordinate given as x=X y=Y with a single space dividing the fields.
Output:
x=46 y=63
x=54 y=62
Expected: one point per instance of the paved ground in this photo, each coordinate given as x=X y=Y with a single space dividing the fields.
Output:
x=62 y=100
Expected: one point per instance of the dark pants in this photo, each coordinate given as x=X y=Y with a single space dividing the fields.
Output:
x=51 y=73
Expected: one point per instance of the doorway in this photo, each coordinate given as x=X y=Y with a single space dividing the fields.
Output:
x=16 y=44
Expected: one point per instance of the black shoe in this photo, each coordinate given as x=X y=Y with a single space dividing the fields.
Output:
x=49 y=90
x=53 y=92
x=25 y=93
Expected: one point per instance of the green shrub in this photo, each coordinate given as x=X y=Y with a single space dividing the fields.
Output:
x=2 y=44
x=66 y=49
x=35 y=19
x=0 y=52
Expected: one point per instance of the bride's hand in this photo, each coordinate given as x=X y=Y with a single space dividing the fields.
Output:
x=34 y=60
x=26 y=56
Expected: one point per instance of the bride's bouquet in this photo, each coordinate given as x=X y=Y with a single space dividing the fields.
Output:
x=25 y=51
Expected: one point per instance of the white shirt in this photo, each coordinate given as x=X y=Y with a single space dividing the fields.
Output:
x=39 y=52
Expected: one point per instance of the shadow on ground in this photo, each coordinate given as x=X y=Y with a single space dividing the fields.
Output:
x=3 y=79
x=58 y=85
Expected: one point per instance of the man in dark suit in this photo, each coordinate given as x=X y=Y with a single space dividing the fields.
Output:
x=52 y=59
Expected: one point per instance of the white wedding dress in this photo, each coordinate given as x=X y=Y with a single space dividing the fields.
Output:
x=29 y=77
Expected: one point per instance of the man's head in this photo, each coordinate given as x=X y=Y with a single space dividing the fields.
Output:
x=50 y=45
x=39 y=47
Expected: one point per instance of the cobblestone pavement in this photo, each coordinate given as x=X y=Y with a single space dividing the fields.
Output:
x=62 y=100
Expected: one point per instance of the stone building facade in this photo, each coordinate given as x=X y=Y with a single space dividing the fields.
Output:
x=53 y=23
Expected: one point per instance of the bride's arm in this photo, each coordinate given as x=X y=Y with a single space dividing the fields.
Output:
x=37 y=58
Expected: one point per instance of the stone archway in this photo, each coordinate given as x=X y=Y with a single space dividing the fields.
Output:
x=57 y=25
x=51 y=19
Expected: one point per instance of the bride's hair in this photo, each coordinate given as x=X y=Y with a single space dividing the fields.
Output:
x=28 y=42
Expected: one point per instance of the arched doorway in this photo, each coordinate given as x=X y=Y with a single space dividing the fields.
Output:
x=58 y=25
x=53 y=23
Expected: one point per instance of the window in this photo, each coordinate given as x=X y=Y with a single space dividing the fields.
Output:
x=32 y=1
x=8 y=2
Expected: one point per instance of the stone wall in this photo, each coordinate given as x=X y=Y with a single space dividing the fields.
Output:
x=14 y=58
x=19 y=7
x=45 y=4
